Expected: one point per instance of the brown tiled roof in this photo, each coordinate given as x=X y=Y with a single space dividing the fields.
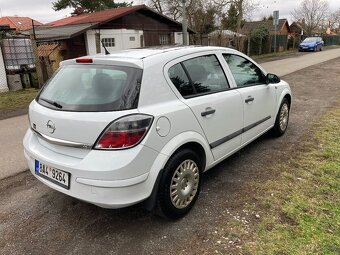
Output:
x=96 y=17
x=249 y=26
x=19 y=23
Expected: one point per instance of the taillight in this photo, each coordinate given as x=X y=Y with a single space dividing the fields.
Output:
x=125 y=132
x=84 y=60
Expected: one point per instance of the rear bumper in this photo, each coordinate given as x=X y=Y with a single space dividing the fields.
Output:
x=101 y=182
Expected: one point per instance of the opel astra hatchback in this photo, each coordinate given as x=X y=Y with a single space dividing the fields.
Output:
x=143 y=125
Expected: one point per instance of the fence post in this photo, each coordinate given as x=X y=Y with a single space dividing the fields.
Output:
x=38 y=67
x=248 y=48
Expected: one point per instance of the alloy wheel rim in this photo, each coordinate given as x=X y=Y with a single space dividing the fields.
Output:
x=284 y=117
x=184 y=184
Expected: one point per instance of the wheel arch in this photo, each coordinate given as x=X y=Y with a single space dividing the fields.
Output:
x=197 y=148
x=187 y=140
x=284 y=94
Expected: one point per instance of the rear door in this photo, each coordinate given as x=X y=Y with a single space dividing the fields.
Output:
x=258 y=98
x=204 y=87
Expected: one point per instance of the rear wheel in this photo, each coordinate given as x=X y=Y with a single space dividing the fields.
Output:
x=180 y=184
x=282 y=118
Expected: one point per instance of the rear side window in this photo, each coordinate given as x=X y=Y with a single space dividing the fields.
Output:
x=181 y=80
x=206 y=74
x=92 y=88
x=200 y=75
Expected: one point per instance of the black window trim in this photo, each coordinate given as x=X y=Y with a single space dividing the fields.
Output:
x=248 y=85
x=192 y=84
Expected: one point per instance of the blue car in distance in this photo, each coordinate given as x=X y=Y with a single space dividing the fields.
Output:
x=311 y=44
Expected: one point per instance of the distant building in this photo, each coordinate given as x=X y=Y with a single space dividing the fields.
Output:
x=282 y=28
x=296 y=28
x=118 y=29
x=224 y=38
x=19 y=23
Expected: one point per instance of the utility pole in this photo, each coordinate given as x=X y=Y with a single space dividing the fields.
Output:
x=184 y=24
x=275 y=23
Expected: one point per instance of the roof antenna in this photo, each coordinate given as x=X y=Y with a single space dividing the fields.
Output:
x=106 y=51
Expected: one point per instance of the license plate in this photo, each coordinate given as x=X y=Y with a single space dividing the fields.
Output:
x=52 y=174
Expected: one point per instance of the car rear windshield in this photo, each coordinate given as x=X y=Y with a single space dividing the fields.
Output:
x=92 y=88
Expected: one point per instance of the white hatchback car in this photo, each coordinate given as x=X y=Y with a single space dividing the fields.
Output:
x=142 y=125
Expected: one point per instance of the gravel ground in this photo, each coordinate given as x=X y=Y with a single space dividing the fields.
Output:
x=37 y=220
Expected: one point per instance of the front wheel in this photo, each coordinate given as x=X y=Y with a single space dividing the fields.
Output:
x=282 y=118
x=180 y=184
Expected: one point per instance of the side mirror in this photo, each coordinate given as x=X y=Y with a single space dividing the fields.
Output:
x=272 y=78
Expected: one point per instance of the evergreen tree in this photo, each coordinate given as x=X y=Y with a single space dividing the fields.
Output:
x=88 y=5
x=230 y=20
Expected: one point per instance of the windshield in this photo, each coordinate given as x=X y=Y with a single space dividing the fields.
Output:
x=310 y=39
x=92 y=88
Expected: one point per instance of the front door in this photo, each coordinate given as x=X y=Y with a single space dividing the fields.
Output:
x=258 y=98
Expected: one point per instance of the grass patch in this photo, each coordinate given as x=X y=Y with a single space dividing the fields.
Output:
x=301 y=206
x=14 y=100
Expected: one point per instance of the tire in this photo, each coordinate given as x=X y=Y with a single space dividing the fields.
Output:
x=282 y=119
x=180 y=184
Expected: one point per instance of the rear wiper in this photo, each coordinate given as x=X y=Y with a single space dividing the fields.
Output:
x=52 y=103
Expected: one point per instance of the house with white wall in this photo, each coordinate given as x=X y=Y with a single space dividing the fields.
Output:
x=118 y=29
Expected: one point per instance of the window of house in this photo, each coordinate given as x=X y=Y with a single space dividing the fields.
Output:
x=164 y=39
x=132 y=39
x=109 y=42
x=244 y=71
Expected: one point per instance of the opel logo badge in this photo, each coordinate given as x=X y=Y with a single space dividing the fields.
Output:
x=50 y=126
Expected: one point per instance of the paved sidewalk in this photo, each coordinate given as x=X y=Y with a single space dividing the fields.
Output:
x=12 y=160
x=289 y=65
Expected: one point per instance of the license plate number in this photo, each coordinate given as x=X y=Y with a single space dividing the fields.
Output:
x=52 y=174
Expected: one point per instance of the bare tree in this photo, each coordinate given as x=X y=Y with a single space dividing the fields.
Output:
x=312 y=14
x=334 y=19
x=157 y=5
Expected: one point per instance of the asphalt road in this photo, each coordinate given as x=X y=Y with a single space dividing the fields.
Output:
x=290 y=65
x=37 y=220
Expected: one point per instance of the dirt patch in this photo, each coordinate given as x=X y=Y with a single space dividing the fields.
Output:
x=12 y=113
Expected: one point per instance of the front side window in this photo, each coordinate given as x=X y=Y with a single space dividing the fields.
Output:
x=92 y=88
x=244 y=71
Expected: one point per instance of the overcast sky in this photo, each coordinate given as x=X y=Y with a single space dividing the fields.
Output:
x=41 y=10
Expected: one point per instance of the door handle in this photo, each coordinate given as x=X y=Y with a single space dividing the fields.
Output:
x=249 y=99
x=208 y=111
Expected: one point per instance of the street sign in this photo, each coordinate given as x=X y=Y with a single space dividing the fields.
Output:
x=276 y=18
x=275 y=23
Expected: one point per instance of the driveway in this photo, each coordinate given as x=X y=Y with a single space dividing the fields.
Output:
x=35 y=219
